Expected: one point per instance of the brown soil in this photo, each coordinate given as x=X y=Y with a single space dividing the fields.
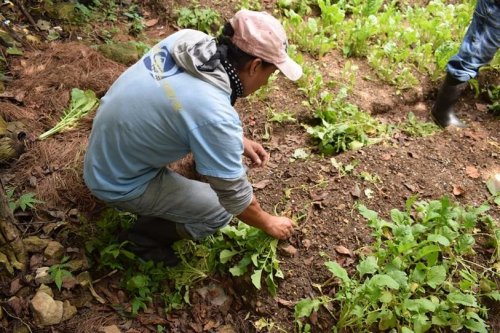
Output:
x=431 y=167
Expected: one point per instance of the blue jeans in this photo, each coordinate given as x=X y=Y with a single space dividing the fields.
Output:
x=480 y=43
x=191 y=204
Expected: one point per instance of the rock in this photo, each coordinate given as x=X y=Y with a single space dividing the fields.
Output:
x=46 y=310
x=125 y=53
x=35 y=244
x=42 y=276
x=226 y=329
x=7 y=40
x=16 y=304
x=78 y=265
x=15 y=285
x=46 y=289
x=110 y=329
x=69 y=310
x=54 y=250
x=289 y=250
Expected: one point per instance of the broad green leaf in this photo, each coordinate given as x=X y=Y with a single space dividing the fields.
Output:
x=241 y=267
x=438 y=239
x=386 y=297
x=461 y=298
x=226 y=255
x=420 y=305
x=494 y=295
x=306 y=306
x=475 y=323
x=421 y=324
x=435 y=276
x=387 y=320
x=272 y=287
x=367 y=266
x=337 y=270
x=400 y=277
x=491 y=184
x=367 y=213
x=383 y=280
x=405 y=329
x=256 y=277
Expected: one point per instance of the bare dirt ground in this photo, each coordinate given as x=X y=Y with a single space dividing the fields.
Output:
x=431 y=167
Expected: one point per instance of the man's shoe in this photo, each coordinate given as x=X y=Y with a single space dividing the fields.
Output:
x=442 y=112
x=148 y=249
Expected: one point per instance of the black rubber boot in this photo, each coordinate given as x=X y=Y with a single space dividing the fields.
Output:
x=151 y=238
x=442 y=112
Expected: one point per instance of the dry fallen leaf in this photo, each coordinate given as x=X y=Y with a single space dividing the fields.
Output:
x=458 y=190
x=343 y=250
x=472 y=171
x=150 y=23
x=356 y=191
x=262 y=184
x=385 y=157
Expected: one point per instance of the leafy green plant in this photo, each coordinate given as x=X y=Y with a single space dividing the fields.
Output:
x=253 y=250
x=25 y=201
x=281 y=117
x=493 y=185
x=59 y=271
x=343 y=169
x=82 y=102
x=343 y=126
x=417 y=276
x=494 y=96
x=136 y=19
x=203 y=19
x=415 y=128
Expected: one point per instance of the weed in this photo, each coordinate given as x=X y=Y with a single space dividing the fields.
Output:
x=25 y=201
x=203 y=19
x=415 y=128
x=494 y=96
x=281 y=117
x=343 y=169
x=137 y=22
x=417 y=275
x=59 y=271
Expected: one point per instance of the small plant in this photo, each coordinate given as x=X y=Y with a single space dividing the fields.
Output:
x=203 y=19
x=494 y=96
x=281 y=117
x=343 y=169
x=415 y=128
x=82 y=102
x=371 y=178
x=137 y=22
x=59 y=271
x=417 y=275
x=25 y=201
x=255 y=251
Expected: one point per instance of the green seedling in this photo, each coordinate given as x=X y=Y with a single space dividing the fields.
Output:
x=25 y=201
x=371 y=178
x=136 y=20
x=342 y=169
x=415 y=128
x=59 y=271
x=417 y=277
x=281 y=117
x=82 y=103
x=203 y=19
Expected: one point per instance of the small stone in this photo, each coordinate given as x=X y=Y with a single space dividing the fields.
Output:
x=35 y=244
x=54 y=250
x=46 y=310
x=289 y=250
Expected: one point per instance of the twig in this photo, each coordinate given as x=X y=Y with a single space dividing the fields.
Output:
x=12 y=316
x=27 y=14
x=105 y=276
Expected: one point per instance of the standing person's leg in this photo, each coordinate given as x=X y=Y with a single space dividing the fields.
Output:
x=478 y=48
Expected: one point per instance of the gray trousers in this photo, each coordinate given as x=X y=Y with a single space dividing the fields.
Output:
x=191 y=204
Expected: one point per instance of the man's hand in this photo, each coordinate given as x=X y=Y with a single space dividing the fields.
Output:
x=279 y=227
x=255 y=152
x=276 y=226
